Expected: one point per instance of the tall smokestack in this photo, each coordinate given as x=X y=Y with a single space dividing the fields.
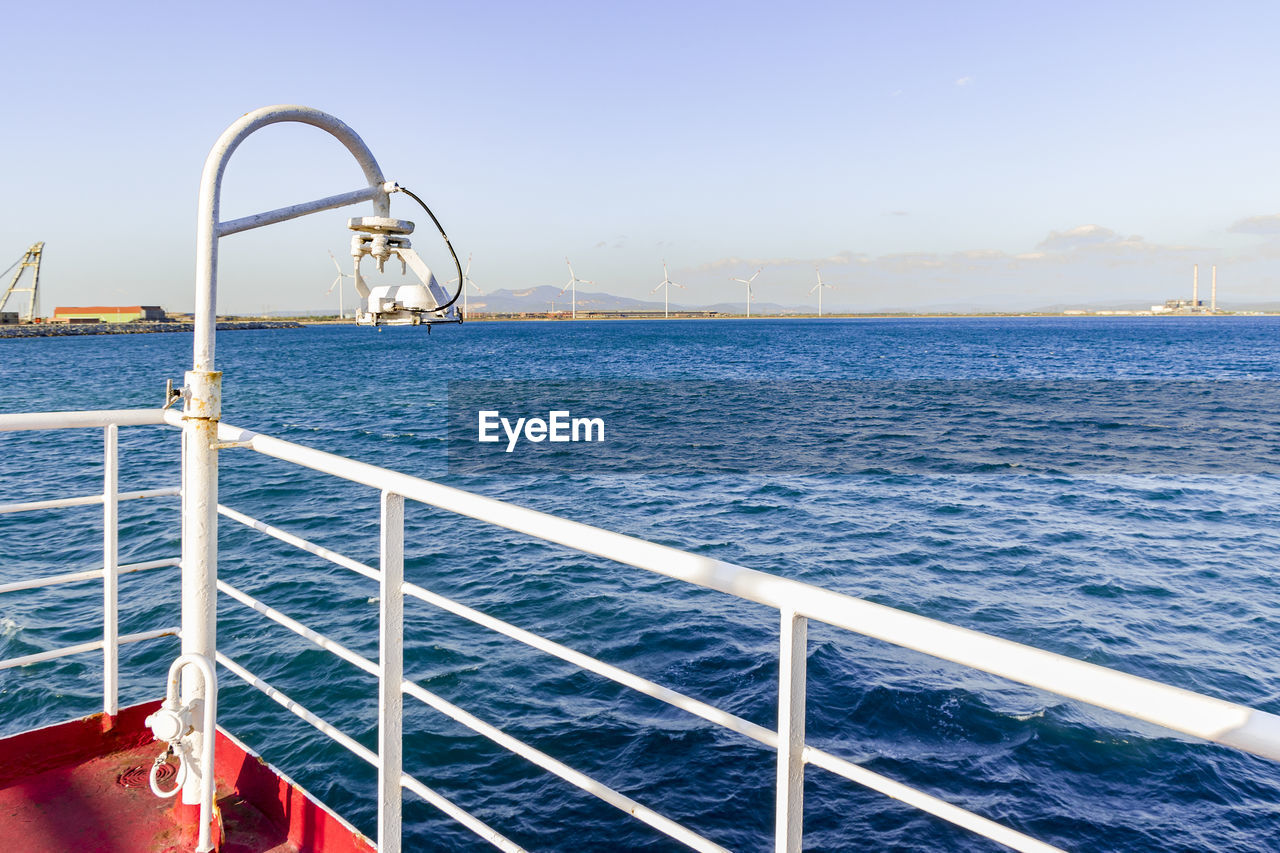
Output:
x=1213 y=292
x=1195 y=287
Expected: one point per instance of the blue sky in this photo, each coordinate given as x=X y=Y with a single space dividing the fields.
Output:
x=1002 y=154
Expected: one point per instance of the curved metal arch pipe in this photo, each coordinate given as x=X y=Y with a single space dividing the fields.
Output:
x=203 y=389
x=211 y=197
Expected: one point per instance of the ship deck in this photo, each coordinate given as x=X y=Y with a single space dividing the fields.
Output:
x=83 y=786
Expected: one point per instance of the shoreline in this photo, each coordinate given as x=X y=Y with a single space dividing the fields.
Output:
x=47 y=330
x=622 y=315
x=61 y=330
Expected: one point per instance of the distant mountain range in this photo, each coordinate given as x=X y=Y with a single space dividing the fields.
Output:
x=544 y=298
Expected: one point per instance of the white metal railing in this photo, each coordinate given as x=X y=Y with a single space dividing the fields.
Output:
x=109 y=422
x=1174 y=708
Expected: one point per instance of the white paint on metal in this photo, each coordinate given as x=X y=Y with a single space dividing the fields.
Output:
x=80 y=420
x=574 y=777
x=466 y=719
x=93 y=646
x=298 y=628
x=381 y=224
x=1180 y=710
x=87 y=500
x=175 y=723
x=57 y=503
x=390 y=672
x=768 y=737
x=363 y=752
x=203 y=405
x=295 y=211
x=203 y=395
x=792 y=674
x=478 y=827
x=91 y=574
x=210 y=203
x=351 y=744
x=298 y=542
x=406 y=304
x=927 y=803
x=110 y=571
x=1172 y=707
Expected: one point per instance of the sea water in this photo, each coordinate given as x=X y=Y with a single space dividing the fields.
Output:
x=1101 y=488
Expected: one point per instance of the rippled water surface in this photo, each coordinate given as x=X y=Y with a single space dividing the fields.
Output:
x=1162 y=569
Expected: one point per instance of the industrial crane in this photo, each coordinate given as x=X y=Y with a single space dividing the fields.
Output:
x=30 y=259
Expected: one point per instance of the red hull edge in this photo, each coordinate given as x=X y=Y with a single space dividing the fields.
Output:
x=60 y=790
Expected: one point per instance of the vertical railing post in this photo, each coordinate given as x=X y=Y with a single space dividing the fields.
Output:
x=792 y=661
x=200 y=414
x=391 y=673
x=110 y=577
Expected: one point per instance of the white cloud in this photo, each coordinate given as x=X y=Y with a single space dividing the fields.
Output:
x=1103 y=240
x=964 y=81
x=1083 y=243
x=1265 y=226
x=1074 y=238
x=1082 y=263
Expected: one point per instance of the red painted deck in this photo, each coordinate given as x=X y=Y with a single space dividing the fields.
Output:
x=82 y=786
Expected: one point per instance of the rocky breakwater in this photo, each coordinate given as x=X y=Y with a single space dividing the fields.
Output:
x=52 y=330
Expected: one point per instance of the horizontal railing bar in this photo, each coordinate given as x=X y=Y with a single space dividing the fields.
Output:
x=80 y=419
x=361 y=751
x=93 y=646
x=1174 y=708
x=283 y=214
x=167 y=492
x=574 y=777
x=819 y=758
x=299 y=542
x=926 y=802
x=766 y=736
x=298 y=628
x=298 y=711
x=548 y=763
x=56 y=503
x=89 y=500
x=90 y=574
x=463 y=817
x=156 y=633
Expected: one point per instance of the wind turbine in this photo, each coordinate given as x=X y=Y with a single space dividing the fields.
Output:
x=466 y=279
x=747 y=282
x=820 y=286
x=666 y=296
x=337 y=282
x=574 y=281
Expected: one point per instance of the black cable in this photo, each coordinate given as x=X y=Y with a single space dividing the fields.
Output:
x=458 y=264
